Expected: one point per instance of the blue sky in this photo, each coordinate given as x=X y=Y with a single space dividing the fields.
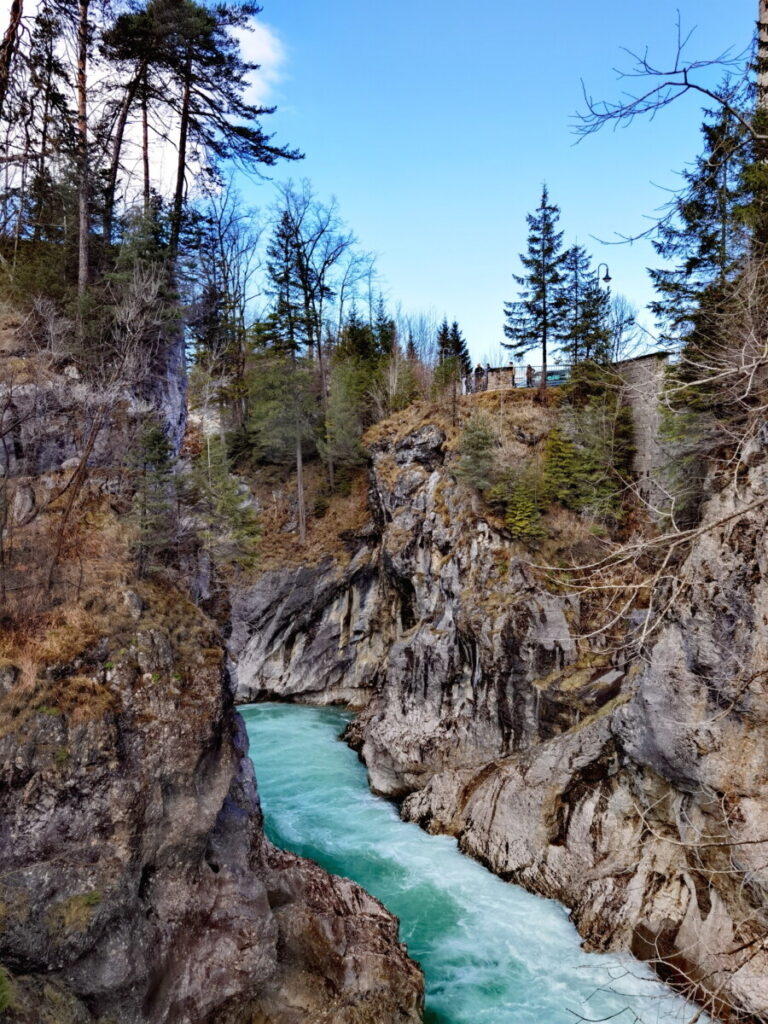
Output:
x=436 y=123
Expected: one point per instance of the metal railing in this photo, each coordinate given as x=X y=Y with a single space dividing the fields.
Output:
x=501 y=378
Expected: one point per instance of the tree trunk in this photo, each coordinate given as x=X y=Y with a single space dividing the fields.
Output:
x=300 y=501
x=762 y=55
x=145 y=142
x=178 y=197
x=41 y=160
x=117 y=146
x=8 y=48
x=83 y=245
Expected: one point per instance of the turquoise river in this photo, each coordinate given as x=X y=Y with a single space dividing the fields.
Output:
x=491 y=952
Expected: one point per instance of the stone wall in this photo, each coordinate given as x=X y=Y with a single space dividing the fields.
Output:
x=643 y=380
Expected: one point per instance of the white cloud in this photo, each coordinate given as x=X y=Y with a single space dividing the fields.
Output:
x=262 y=45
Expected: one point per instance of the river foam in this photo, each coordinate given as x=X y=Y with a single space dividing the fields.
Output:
x=491 y=952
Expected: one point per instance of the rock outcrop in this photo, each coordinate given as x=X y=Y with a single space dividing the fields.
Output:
x=135 y=880
x=136 y=883
x=634 y=791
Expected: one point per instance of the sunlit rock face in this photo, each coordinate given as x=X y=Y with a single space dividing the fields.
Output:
x=632 y=789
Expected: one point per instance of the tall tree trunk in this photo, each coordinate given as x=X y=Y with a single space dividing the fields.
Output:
x=83 y=243
x=145 y=141
x=178 y=197
x=117 y=147
x=43 y=155
x=8 y=48
x=762 y=55
x=300 y=500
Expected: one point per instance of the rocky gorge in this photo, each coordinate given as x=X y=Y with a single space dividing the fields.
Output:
x=136 y=882
x=628 y=783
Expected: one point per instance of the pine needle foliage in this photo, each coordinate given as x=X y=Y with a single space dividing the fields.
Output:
x=523 y=515
x=151 y=465
x=562 y=467
x=230 y=525
x=477 y=447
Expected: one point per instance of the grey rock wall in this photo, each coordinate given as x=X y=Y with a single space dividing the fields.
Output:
x=634 y=790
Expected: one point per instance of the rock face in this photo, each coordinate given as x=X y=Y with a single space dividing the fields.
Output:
x=136 y=882
x=636 y=792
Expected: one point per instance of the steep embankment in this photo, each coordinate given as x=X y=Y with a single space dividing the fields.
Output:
x=136 y=883
x=635 y=793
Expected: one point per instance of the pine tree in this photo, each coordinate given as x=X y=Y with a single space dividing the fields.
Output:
x=535 y=319
x=476 y=450
x=522 y=516
x=704 y=234
x=458 y=349
x=585 y=308
x=231 y=527
x=561 y=467
x=153 y=506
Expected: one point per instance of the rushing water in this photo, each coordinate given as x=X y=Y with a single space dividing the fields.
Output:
x=491 y=952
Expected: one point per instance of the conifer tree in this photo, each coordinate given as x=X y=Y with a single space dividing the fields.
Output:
x=459 y=350
x=535 y=319
x=288 y=333
x=585 y=308
x=358 y=340
x=476 y=450
x=231 y=526
x=153 y=507
x=344 y=417
x=522 y=516
x=444 y=350
x=384 y=329
x=704 y=234
x=561 y=465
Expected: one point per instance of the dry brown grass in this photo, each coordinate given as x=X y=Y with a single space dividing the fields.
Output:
x=328 y=517
x=74 y=914
x=512 y=413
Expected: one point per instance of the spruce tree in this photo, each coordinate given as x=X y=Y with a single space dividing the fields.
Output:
x=153 y=507
x=231 y=527
x=561 y=468
x=522 y=516
x=476 y=450
x=458 y=349
x=585 y=308
x=535 y=319
x=704 y=234
x=444 y=350
x=384 y=329
x=345 y=417
x=358 y=340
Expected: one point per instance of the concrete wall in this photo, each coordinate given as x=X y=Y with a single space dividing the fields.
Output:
x=643 y=380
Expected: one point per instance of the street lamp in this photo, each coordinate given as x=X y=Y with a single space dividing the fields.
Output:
x=607 y=279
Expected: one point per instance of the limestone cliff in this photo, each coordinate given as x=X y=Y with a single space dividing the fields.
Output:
x=136 y=883
x=136 y=880
x=634 y=790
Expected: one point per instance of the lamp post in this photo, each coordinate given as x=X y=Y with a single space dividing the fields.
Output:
x=607 y=279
